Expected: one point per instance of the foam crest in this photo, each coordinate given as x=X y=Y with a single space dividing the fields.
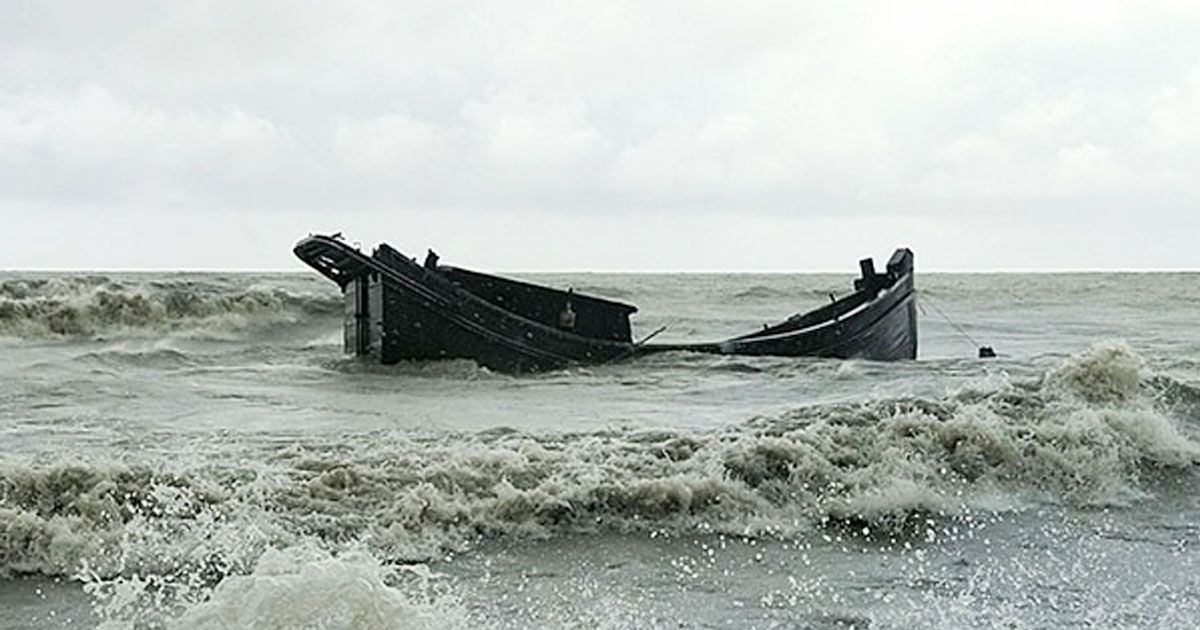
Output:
x=1110 y=372
x=86 y=306
x=105 y=519
x=450 y=369
x=885 y=464
x=297 y=589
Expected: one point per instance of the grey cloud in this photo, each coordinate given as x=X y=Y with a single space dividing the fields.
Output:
x=771 y=109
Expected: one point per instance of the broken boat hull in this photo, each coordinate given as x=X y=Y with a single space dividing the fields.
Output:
x=396 y=309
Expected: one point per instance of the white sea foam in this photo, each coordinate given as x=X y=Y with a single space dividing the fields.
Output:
x=409 y=497
x=297 y=589
x=1111 y=372
x=87 y=306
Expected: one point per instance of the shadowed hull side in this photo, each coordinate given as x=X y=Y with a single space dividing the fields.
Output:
x=415 y=313
x=446 y=323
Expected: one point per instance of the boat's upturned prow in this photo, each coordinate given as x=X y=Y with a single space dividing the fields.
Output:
x=398 y=310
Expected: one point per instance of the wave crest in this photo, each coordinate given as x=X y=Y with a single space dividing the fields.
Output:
x=86 y=306
x=299 y=587
x=1110 y=372
x=885 y=463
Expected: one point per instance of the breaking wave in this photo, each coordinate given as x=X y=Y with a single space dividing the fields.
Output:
x=90 y=306
x=299 y=587
x=1093 y=431
x=1098 y=430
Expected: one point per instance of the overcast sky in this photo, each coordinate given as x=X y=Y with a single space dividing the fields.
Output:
x=602 y=135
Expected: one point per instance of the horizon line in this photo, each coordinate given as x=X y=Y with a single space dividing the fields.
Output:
x=282 y=270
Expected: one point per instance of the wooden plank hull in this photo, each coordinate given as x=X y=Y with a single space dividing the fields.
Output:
x=878 y=327
x=399 y=310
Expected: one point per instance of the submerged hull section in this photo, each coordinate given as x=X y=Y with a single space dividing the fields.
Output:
x=399 y=310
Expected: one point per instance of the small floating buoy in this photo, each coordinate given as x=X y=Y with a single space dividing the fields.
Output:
x=986 y=352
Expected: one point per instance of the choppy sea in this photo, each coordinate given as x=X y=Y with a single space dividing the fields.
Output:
x=194 y=451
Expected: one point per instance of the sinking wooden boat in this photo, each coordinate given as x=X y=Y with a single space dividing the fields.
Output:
x=397 y=309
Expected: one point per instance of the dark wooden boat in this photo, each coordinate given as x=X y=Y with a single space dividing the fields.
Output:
x=397 y=309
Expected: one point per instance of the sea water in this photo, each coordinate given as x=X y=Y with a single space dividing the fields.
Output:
x=195 y=451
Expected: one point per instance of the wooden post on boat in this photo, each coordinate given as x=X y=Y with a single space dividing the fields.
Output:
x=356 y=337
x=869 y=282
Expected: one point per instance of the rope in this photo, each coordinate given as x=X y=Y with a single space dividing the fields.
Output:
x=650 y=336
x=924 y=297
